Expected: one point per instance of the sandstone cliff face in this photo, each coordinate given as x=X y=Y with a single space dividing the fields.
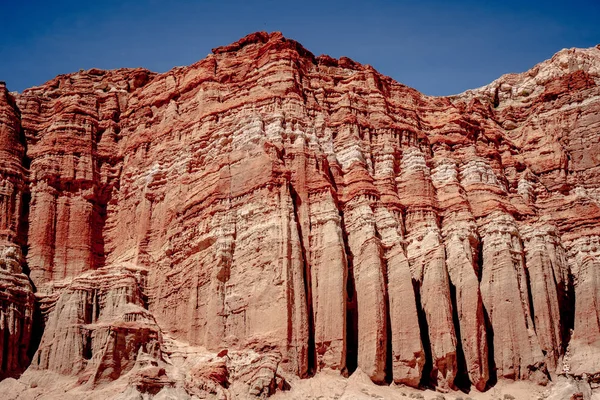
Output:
x=16 y=294
x=304 y=213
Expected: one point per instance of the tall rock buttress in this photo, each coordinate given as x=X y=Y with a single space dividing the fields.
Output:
x=295 y=213
x=16 y=292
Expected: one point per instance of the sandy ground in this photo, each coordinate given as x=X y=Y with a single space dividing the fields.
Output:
x=324 y=386
x=330 y=385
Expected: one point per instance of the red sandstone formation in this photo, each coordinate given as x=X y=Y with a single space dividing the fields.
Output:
x=16 y=294
x=301 y=213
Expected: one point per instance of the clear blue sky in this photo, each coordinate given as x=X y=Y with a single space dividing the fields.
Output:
x=437 y=47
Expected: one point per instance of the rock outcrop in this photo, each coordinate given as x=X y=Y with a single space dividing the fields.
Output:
x=16 y=293
x=302 y=213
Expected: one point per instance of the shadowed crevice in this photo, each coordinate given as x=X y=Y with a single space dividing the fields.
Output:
x=567 y=311
x=424 y=331
x=479 y=260
x=307 y=279
x=351 y=307
x=489 y=331
x=529 y=295
x=461 y=379
x=389 y=370
x=37 y=319
x=97 y=228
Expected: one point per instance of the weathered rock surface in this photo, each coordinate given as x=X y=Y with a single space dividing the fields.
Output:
x=16 y=294
x=302 y=213
x=96 y=326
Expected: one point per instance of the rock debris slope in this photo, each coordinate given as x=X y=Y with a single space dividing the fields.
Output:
x=295 y=213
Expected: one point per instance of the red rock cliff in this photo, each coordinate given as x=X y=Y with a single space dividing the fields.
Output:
x=308 y=212
x=16 y=294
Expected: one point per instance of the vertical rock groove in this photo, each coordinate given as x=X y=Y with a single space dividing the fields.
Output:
x=351 y=308
x=567 y=311
x=461 y=380
x=529 y=295
x=311 y=356
x=426 y=378
x=389 y=365
x=491 y=361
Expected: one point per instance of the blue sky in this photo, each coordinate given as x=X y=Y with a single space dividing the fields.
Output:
x=437 y=47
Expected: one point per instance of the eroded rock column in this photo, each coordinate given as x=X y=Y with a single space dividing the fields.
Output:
x=517 y=352
x=329 y=272
x=367 y=257
x=16 y=295
x=427 y=260
x=461 y=243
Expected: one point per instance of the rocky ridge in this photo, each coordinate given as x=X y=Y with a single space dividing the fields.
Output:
x=266 y=214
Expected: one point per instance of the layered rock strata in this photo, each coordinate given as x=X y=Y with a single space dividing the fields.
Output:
x=307 y=209
x=16 y=293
